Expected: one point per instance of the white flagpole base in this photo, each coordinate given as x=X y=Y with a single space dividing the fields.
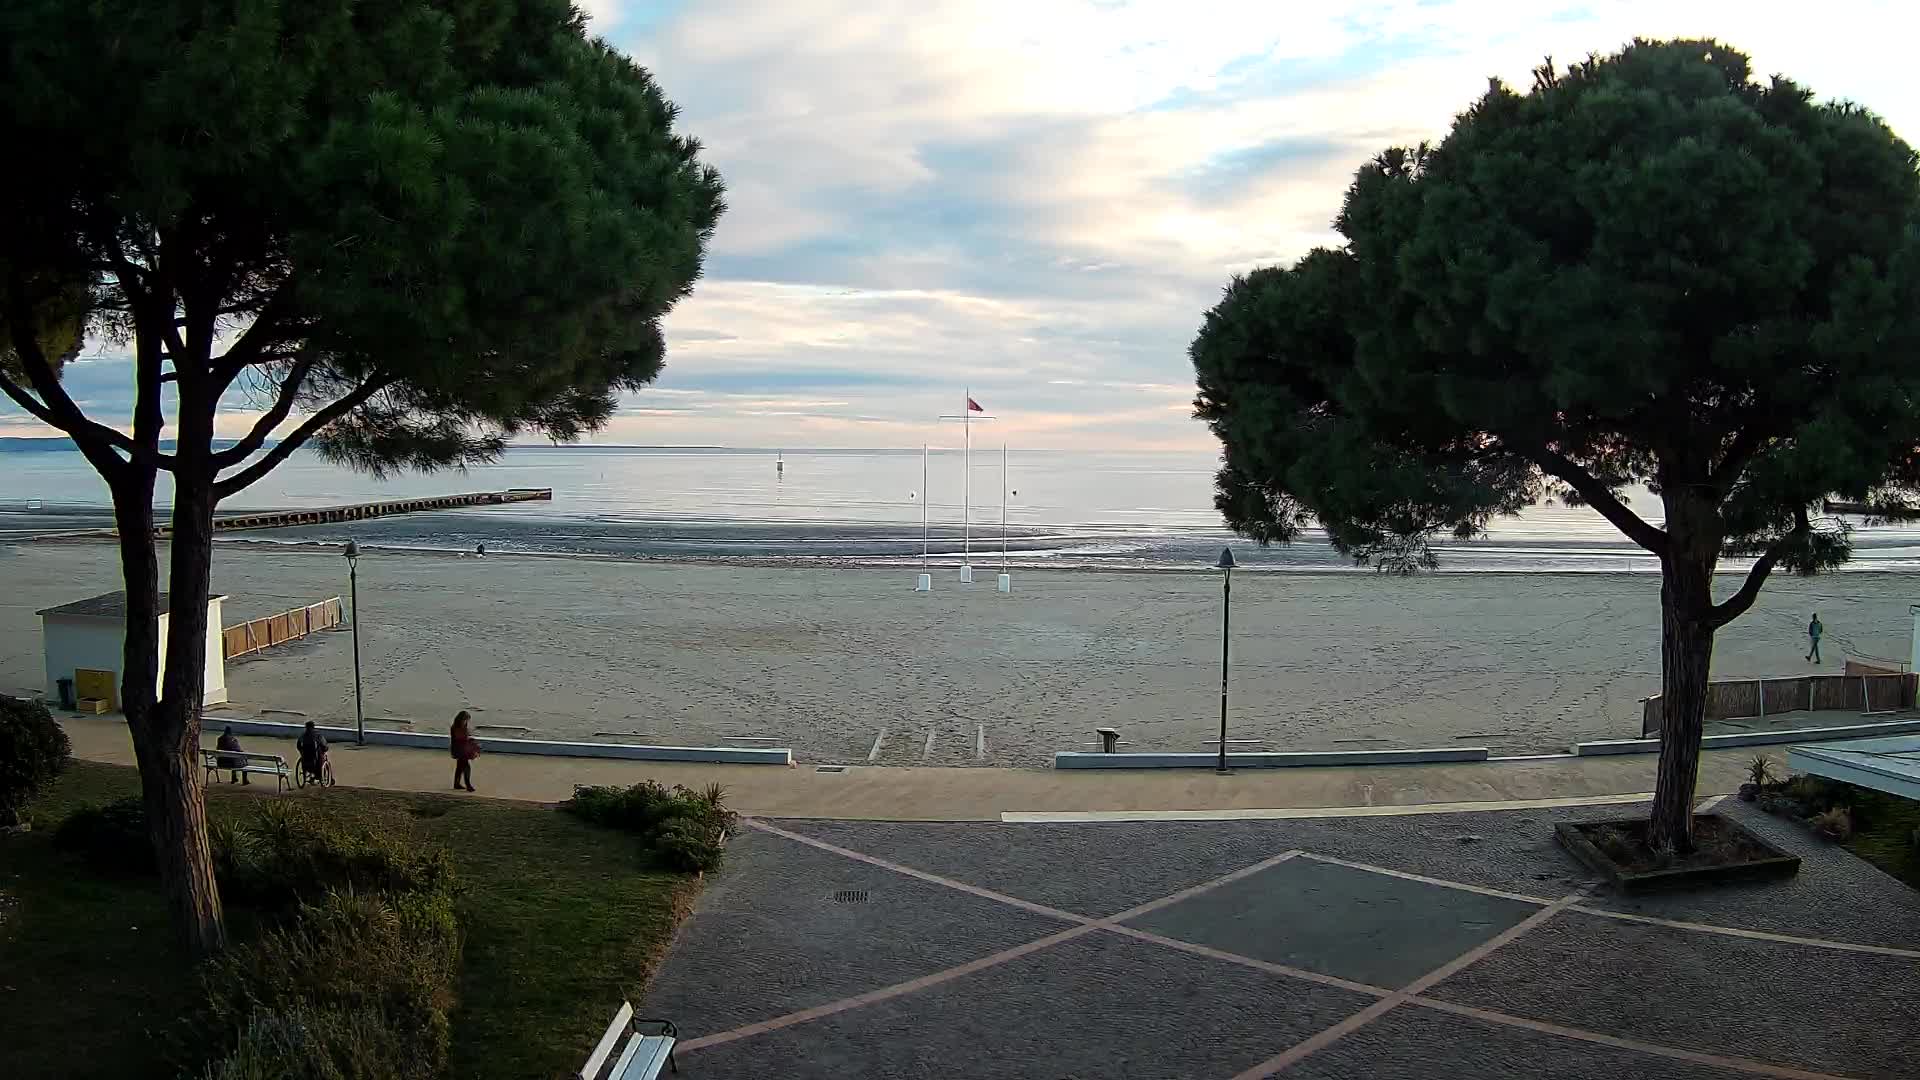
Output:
x=924 y=583
x=966 y=574
x=1005 y=584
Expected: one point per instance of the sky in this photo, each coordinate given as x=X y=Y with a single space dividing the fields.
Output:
x=1036 y=202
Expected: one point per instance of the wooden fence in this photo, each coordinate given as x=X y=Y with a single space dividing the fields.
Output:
x=1863 y=689
x=251 y=637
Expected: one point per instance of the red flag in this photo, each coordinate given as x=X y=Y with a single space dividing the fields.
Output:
x=974 y=406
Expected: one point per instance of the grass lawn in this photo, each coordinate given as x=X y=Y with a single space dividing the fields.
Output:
x=560 y=920
x=1886 y=825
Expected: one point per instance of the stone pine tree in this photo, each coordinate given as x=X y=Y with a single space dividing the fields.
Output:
x=1651 y=269
x=400 y=233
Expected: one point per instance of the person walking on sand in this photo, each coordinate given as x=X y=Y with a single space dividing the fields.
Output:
x=1814 y=630
x=231 y=742
x=464 y=748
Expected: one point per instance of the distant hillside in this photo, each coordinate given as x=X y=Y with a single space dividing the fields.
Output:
x=15 y=444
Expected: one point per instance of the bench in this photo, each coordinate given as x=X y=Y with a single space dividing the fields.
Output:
x=261 y=764
x=644 y=1054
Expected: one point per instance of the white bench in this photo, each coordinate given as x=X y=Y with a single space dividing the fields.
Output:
x=644 y=1054
x=216 y=761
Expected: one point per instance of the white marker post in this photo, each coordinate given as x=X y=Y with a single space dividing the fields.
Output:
x=1005 y=584
x=966 y=419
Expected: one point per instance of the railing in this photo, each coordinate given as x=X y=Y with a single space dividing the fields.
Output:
x=1864 y=688
x=251 y=637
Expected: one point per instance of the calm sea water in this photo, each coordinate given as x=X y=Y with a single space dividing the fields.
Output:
x=1116 y=510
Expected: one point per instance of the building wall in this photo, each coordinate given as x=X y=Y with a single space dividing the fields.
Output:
x=88 y=642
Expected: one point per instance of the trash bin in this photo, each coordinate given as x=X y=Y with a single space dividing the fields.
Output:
x=66 y=693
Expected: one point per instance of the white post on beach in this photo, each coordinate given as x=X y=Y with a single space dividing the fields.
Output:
x=1914 y=652
x=924 y=497
x=1005 y=584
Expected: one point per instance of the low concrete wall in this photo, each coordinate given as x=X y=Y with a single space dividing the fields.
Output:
x=1755 y=738
x=1082 y=759
x=724 y=755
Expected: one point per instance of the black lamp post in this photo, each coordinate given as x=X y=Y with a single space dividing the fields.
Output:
x=352 y=553
x=1226 y=621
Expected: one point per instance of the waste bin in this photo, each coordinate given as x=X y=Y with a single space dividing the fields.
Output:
x=66 y=693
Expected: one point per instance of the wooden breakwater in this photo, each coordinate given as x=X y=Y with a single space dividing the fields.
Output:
x=257 y=634
x=328 y=515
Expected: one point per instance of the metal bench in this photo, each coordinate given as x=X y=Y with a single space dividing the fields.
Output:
x=217 y=761
x=644 y=1054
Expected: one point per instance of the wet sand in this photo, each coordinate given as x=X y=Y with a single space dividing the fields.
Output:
x=823 y=659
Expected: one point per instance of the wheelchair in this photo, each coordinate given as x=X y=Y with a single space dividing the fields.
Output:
x=303 y=776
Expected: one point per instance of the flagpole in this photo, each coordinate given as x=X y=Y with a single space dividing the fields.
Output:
x=923 y=504
x=1003 y=508
x=966 y=427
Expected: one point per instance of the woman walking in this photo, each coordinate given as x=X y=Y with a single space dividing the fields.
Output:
x=465 y=748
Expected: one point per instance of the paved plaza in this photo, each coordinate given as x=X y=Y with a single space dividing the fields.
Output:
x=1426 y=946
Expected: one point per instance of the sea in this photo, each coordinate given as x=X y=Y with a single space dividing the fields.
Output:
x=1030 y=508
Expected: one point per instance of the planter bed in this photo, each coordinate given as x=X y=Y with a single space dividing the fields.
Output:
x=1726 y=852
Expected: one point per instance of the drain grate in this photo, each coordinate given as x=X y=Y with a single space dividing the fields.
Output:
x=850 y=896
x=829 y=768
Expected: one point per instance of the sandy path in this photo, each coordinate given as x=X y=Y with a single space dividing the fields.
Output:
x=821 y=659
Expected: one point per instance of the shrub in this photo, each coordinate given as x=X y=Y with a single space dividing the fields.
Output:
x=1834 y=823
x=33 y=750
x=111 y=837
x=1810 y=791
x=288 y=854
x=356 y=985
x=679 y=828
x=1760 y=770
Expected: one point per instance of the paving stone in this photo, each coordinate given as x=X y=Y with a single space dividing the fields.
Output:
x=1839 y=1012
x=1372 y=928
x=1412 y=1043
x=767 y=936
x=1097 y=1006
x=1824 y=900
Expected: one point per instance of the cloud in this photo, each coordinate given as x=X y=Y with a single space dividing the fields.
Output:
x=1037 y=202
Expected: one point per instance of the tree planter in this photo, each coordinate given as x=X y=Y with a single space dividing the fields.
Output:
x=1728 y=853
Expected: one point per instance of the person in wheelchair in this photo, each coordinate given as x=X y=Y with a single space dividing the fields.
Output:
x=313 y=752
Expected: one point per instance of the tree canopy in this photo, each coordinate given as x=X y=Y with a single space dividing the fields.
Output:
x=1651 y=269
x=426 y=225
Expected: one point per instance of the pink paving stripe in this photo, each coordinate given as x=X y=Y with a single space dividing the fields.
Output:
x=936 y=879
x=885 y=992
x=1247 y=961
x=1747 y=1065
x=1306 y=1048
x=1754 y=935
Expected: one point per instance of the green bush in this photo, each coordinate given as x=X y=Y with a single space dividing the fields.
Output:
x=288 y=854
x=33 y=750
x=355 y=985
x=679 y=828
x=111 y=837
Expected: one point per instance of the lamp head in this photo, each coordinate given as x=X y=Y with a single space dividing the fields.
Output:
x=351 y=551
x=1226 y=559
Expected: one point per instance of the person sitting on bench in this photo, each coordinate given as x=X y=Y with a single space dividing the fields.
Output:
x=230 y=741
x=313 y=752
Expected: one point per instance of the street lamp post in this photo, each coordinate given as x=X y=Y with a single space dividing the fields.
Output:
x=1226 y=622
x=352 y=553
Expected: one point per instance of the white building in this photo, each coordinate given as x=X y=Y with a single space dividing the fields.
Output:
x=91 y=634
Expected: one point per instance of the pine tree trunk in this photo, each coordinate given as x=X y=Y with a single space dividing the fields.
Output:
x=165 y=727
x=1686 y=657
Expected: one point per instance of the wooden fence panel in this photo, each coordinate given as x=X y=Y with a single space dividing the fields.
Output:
x=257 y=634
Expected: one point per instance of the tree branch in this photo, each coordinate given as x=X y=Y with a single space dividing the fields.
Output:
x=1736 y=605
x=252 y=346
x=284 y=448
x=56 y=409
x=273 y=418
x=1746 y=443
x=1596 y=495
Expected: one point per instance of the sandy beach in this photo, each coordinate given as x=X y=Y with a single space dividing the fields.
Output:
x=823 y=660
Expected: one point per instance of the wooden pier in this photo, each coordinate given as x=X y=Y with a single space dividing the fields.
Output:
x=327 y=515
